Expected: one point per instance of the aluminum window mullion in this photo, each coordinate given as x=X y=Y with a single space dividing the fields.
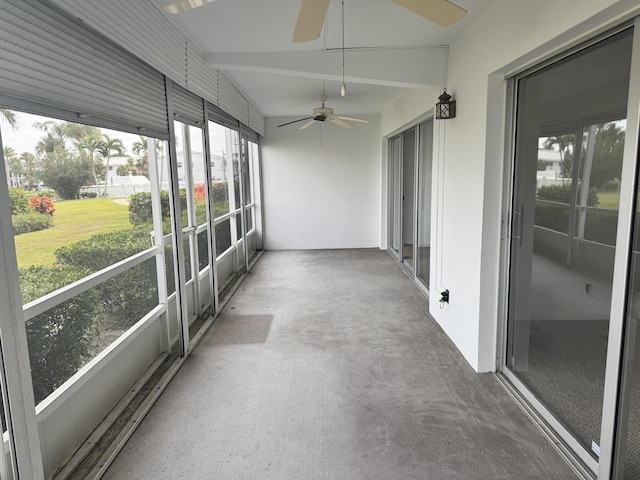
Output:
x=52 y=299
x=176 y=230
x=17 y=388
x=213 y=265
x=622 y=262
x=158 y=236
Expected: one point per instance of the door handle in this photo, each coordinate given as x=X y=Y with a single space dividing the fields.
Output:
x=519 y=215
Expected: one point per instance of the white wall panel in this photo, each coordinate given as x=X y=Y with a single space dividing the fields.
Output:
x=321 y=185
x=469 y=158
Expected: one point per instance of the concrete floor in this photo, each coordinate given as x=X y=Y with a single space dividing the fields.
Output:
x=350 y=380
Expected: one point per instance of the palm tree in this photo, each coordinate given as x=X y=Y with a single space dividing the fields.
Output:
x=110 y=145
x=56 y=136
x=130 y=167
x=29 y=162
x=563 y=142
x=12 y=164
x=89 y=146
x=140 y=148
x=10 y=117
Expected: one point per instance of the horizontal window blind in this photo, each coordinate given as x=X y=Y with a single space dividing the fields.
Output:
x=248 y=133
x=231 y=100
x=48 y=58
x=217 y=115
x=187 y=106
x=256 y=121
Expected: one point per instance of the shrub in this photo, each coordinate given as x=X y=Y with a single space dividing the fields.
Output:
x=601 y=226
x=220 y=192
x=44 y=193
x=60 y=339
x=19 y=201
x=140 y=206
x=42 y=204
x=131 y=294
x=88 y=194
x=562 y=194
x=31 y=222
x=100 y=251
x=555 y=217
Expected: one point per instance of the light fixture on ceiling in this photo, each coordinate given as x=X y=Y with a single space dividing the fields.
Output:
x=343 y=88
x=445 y=108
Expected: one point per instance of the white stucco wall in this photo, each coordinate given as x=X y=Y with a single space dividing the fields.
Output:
x=469 y=158
x=321 y=185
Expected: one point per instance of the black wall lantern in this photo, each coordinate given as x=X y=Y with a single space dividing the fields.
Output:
x=445 y=108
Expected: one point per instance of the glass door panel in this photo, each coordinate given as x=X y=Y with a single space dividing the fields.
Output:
x=395 y=192
x=408 y=196
x=425 y=161
x=627 y=465
x=566 y=197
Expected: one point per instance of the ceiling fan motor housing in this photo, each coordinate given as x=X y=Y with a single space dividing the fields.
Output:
x=322 y=111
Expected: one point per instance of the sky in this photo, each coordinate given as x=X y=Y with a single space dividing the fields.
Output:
x=25 y=137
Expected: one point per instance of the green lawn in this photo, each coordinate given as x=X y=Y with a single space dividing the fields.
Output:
x=73 y=220
x=609 y=200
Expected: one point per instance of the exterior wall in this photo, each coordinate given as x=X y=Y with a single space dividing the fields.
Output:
x=469 y=153
x=321 y=188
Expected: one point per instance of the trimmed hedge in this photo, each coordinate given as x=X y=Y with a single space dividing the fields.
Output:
x=140 y=208
x=562 y=194
x=130 y=295
x=61 y=339
x=31 y=222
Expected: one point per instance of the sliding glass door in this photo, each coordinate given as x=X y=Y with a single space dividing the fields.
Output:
x=574 y=153
x=410 y=166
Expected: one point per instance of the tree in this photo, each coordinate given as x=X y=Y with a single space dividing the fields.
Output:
x=13 y=166
x=565 y=146
x=123 y=170
x=607 y=154
x=140 y=148
x=89 y=146
x=107 y=147
x=55 y=138
x=30 y=163
x=66 y=172
x=10 y=117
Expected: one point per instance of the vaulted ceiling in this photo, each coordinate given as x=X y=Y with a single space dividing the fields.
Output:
x=387 y=48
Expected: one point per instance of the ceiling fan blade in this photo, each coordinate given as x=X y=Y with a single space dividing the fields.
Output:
x=295 y=121
x=182 y=6
x=350 y=119
x=308 y=124
x=342 y=123
x=310 y=20
x=440 y=12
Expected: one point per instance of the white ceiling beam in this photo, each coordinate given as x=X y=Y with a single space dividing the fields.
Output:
x=392 y=67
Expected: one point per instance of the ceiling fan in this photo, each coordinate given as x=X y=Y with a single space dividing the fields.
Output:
x=322 y=114
x=312 y=13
